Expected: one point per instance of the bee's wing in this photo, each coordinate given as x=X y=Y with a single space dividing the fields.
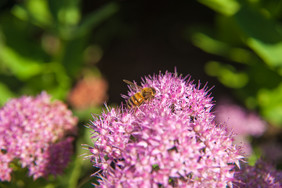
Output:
x=128 y=82
x=132 y=84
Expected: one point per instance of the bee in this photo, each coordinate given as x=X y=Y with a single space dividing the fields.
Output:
x=144 y=94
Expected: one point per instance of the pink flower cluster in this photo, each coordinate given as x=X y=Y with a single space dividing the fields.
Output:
x=35 y=132
x=260 y=175
x=241 y=122
x=169 y=141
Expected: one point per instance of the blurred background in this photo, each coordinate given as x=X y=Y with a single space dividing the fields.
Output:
x=79 y=51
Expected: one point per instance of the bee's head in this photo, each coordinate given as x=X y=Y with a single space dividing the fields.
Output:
x=153 y=91
x=148 y=92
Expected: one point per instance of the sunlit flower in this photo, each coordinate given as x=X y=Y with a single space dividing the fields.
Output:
x=88 y=92
x=35 y=132
x=168 y=141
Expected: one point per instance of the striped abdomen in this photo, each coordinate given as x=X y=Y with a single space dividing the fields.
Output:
x=136 y=100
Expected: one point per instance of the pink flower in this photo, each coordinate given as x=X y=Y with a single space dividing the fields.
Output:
x=241 y=122
x=168 y=141
x=36 y=132
x=260 y=175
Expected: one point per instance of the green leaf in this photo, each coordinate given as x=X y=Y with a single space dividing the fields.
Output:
x=262 y=34
x=270 y=102
x=227 y=75
x=85 y=114
x=255 y=156
x=95 y=18
x=22 y=67
x=209 y=44
x=72 y=55
x=270 y=53
x=226 y=7
x=260 y=76
x=36 y=11
x=5 y=94
x=65 y=12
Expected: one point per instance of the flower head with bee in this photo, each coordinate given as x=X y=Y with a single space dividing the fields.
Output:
x=170 y=140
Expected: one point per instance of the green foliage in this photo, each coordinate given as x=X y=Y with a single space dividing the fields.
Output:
x=42 y=47
x=227 y=7
x=42 y=44
x=248 y=34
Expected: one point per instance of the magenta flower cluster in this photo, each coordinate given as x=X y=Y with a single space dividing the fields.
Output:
x=241 y=122
x=261 y=175
x=34 y=132
x=169 y=141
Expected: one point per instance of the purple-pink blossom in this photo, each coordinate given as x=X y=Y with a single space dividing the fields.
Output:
x=36 y=133
x=241 y=122
x=262 y=174
x=169 y=141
